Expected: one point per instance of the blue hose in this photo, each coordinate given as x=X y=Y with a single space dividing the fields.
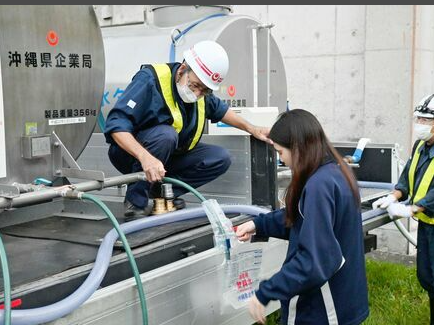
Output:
x=65 y=306
x=357 y=155
x=127 y=249
x=379 y=185
x=377 y=212
x=172 y=55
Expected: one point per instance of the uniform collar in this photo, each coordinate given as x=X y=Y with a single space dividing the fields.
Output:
x=424 y=149
x=327 y=159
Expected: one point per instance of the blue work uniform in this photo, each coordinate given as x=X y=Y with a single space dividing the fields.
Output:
x=323 y=279
x=143 y=112
x=425 y=231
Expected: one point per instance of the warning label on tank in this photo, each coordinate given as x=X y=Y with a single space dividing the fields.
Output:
x=73 y=120
x=2 y=132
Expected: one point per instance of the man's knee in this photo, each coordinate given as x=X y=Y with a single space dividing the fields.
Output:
x=160 y=136
x=224 y=158
x=167 y=134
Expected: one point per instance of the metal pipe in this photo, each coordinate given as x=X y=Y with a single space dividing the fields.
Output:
x=367 y=215
x=412 y=72
x=374 y=213
x=51 y=193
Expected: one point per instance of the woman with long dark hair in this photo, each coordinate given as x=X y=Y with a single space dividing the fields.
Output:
x=323 y=279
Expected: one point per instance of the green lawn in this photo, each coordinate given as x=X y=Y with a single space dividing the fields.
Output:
x=395 y=296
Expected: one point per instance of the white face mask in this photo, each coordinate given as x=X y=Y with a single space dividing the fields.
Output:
x=186 y=94
x=423 y=131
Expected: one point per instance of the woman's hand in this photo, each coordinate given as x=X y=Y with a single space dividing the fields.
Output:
x=257 y=310
x=246 y=230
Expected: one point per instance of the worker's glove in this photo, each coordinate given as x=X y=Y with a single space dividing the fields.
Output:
x=397 y=210
x=384 y=202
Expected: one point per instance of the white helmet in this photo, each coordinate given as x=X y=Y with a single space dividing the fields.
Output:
x=209 y=61
x=425 y=107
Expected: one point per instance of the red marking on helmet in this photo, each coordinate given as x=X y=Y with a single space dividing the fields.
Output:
x=215 y=76
x=200 y=63
x=52 y=38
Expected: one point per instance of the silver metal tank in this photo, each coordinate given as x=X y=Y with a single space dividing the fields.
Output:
x=52 y=79
x=256 y=73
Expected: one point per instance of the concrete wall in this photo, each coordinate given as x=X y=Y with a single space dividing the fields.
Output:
x=350 y=65
x=360 y=69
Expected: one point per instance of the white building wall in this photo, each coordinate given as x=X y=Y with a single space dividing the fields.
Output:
x=360 y=69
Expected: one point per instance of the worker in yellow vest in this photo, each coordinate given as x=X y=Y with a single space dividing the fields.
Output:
x=156 y=125
x=415 y=184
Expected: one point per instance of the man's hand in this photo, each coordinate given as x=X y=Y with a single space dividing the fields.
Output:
x=261 y=133
x=384 y=202
x=396 y=210
x=246 y=230
x=257 y=310
x=237 y=121
x=153 y=168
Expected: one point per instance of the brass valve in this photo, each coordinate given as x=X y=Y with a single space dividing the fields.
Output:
x=159 y=206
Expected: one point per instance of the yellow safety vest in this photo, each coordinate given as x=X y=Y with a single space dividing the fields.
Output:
x=424 y=184
x=163 y=73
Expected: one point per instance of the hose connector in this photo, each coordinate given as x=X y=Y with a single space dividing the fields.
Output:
x=70 y=192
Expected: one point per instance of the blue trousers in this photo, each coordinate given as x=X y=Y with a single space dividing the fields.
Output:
x=425 y=257
x=196 y=167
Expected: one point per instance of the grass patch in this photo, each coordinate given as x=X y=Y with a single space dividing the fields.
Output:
x=395 y=296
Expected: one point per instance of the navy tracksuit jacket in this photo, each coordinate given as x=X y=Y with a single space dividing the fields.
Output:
x=323 y=279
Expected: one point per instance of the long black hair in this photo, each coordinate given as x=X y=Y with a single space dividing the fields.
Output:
x=301 y=133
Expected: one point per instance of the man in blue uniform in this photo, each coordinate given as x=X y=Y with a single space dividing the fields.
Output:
x=157 y=123
x=415 y=184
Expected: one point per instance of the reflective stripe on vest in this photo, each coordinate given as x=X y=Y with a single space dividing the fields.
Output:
x=165 y=78
x=164 y=75
x=200 y=122
x=424 y=183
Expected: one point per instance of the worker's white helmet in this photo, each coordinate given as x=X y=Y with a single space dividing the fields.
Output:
x=425 y=107
x=209 y=61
